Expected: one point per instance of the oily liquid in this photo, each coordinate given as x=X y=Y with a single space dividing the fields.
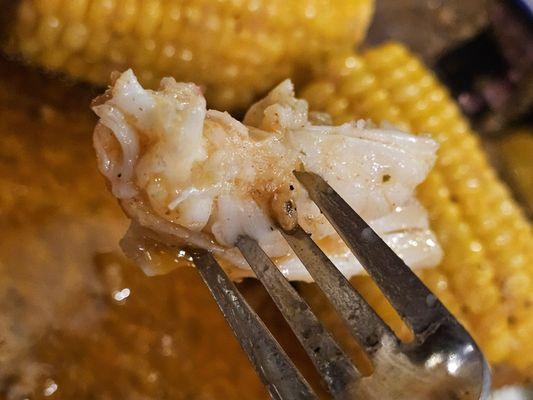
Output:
x=78 y=320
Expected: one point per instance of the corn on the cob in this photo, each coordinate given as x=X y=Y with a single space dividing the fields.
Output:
x=236 y=48
x=486 y=275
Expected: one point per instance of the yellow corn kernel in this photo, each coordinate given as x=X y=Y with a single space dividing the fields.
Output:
x=74 y=10
x=486 y=275
x=236 y=49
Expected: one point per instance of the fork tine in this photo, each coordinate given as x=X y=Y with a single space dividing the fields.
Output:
x=364 y=324
x=277 y=372
x=335 y=367
x=409 y=296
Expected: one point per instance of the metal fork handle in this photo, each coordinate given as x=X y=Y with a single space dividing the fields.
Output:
x=439 y=337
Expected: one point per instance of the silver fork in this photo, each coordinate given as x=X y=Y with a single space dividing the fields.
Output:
x=441 y=362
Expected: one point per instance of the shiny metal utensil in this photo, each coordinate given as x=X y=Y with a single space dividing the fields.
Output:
x=441 y=362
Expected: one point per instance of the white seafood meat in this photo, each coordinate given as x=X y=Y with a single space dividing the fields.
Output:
x=201 y=178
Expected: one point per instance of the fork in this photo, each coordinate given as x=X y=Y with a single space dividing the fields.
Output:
x=441 y=362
